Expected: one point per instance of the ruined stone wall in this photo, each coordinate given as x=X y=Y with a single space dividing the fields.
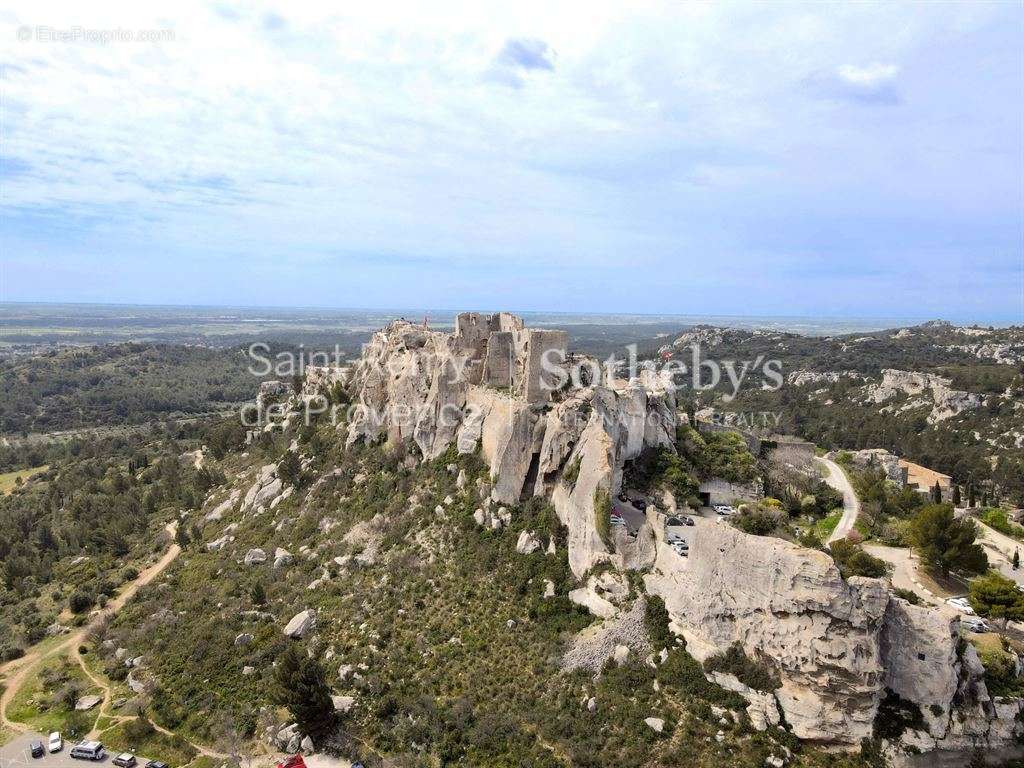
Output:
x=499 y=366
x=538 y=384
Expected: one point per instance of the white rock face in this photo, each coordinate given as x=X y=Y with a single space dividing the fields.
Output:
x=301 y=624
x=419 y=384
x=836 y=644
x=656 y=724
x=225 y=506
x=265 y=488
x=923 y=389
x=790 y=607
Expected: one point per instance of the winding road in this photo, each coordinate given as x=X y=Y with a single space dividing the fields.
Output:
x=20 y=669
x=836 y=477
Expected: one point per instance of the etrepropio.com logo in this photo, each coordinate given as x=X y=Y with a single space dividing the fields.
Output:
x=42 y=33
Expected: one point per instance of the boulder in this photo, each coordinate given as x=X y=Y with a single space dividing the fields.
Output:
x=255 y=557
x=528 y=543
x=282 y=558
x=300 y=624
x=343 y=703
x=86 y=703
x=656 y=724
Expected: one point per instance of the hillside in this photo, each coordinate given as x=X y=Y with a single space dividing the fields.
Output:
x=948 y=397
x=119 y=384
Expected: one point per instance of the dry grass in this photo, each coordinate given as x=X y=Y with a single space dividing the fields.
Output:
x=9 y=480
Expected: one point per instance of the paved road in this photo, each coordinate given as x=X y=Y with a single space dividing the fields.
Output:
x=836 y=478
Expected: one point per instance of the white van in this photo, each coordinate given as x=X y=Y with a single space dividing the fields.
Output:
x=88 y=750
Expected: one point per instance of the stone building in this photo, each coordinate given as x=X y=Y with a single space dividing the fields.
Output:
x=506 y=355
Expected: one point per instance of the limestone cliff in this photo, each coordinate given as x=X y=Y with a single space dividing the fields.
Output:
x=838 y=645
x=431 y=387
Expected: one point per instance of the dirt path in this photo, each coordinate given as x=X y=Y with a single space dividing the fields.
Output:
x=24 y=666
x=836 y=477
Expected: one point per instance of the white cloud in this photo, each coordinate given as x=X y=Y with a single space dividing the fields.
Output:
x=271 y=130
x=869 y=76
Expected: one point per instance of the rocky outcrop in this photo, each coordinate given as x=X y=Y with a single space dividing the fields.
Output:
x=790 y=607
x=418 y=384
x=879 y=458
x=923 y=389
x=802 y=378
x=837 y=645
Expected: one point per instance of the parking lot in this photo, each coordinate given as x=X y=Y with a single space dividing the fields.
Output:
x=17 y=755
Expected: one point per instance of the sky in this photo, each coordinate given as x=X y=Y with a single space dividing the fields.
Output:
x=820 y=159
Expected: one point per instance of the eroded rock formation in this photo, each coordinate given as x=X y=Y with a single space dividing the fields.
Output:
x=838 y=646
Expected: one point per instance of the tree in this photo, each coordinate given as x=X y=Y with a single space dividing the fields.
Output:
x=300 y=685
x=970 y=496
x=957 y=500
x=996 y=597
x=945 y=543
x=936 y=493
x=289 y=469
x=258 y=594
x=1016 y=559
x=181 y=536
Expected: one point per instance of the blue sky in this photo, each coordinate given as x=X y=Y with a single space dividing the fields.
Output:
x=734 y=158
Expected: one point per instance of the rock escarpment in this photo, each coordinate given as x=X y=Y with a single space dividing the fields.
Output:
x=923 y=389
x=839 y=646
x=440 y=389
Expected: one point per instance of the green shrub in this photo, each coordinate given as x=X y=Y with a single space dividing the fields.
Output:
x=80 y=601
x=910 y=596
x=572 y=472
x=756 y=522
x=895 y=715
x=751 y=672
x=852 y=560
x=656 y=619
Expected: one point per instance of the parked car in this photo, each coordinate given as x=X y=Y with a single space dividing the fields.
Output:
x=160 y=764
x=56 y=742
x=973 y=624
x=673 y=521
x=680 y=548
x=672 y=538
x=962 y=604
x=89 y=750
x=125 y=760
x=640 y=504
x=616 y=519
x=623 y=497
x=687 y=520
x=724 y=509
x=36 y=747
